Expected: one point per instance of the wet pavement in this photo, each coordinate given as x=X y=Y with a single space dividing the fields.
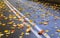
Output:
x=45 y=15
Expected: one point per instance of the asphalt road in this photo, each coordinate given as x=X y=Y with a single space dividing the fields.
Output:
x=46 y=18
